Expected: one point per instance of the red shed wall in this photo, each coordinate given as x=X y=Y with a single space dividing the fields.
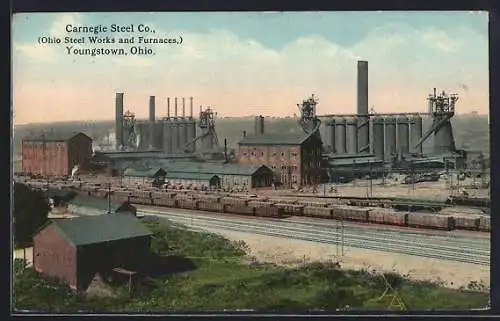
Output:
x=45 y=158
x=54 y=256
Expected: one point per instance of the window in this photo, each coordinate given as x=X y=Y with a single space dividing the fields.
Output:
x=262 y=154
x=274 y=153
x=282 y=154
x=253 y=153
x=245 y=154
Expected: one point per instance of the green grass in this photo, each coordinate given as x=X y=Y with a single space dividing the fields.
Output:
x=226 y=282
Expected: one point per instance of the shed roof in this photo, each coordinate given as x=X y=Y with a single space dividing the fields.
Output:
x=94 y=202
x=213 y=168
x=354 y=161
x=190 y=176
x=275 y=139
x=53 y=137
x=86 y=230
x=150 y=173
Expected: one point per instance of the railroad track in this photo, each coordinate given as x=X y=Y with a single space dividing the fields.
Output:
x=453 y=248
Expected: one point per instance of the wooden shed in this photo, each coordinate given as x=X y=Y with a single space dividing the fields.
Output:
x=74 y=250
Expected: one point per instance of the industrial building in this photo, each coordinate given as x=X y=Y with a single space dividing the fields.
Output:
x=230 y=174
x=74 y=250
x=89 y=205
x=55 y=154
x=153 y=176
x=293 y=158
x=193 y=180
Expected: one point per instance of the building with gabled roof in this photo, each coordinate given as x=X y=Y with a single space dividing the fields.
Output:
x=295 y=158
x=83 y=204
x=74 y=250
x=55 y=154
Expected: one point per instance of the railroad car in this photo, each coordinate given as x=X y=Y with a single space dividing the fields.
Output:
x=350 y=213
x=485 y=224
x=291 y=209
x=467 y=223
x=318 y=212
x=267 y=211
x=211 y=206
x=387 y=216
x=427 y=220
x=188 y=204
x=238 y=209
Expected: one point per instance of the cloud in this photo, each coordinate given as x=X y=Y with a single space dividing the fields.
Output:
x=58 y=28
x=242 y=76
x=40 y=53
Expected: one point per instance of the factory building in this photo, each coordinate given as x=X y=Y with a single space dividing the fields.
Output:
x=74 y=250
x=144 y=177
x=230 y=175
x=89 y=205
x=193 y=180
x=55 y=154
x=293 y=158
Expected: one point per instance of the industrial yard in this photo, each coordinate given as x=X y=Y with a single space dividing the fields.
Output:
x=356 y=189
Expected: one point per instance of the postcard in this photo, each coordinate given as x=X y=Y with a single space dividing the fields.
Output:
x=256 y=161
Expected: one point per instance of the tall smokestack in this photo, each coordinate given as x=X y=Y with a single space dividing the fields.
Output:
x=191 y=107
x=168 y=107
x=119 y=120
x=362 y=87
x=200 y=110
x=152 y=135
x=183 y=107
x=175 y=107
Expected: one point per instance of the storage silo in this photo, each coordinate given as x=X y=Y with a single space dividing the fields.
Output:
x=403 y=137
x=340 y=135
x=416 y=134
x=352 y=135
x=330 y=134
x=363 y=134
x=167 y=137
x=191 y=134
x=143 y=135
x=389 y=137
x=378 y=137
x=181 y=125
x=159 y=134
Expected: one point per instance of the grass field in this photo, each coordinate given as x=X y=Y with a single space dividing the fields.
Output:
x=209 y=272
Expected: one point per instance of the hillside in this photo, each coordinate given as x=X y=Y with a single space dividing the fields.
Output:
x=471 y=132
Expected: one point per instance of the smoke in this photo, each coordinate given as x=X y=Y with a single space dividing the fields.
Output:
x=464 y=87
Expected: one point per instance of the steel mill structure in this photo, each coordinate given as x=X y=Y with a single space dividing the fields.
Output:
x=363 y=141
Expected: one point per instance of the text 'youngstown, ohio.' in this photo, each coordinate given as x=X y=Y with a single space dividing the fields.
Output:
x=135 y=50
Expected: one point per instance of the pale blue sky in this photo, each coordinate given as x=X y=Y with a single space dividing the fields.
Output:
x=250 y=63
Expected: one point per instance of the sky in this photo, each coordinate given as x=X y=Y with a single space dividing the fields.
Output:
x=244 y=64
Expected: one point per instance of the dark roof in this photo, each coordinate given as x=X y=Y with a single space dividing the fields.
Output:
x=275 y=139
x=86 y=230
x=150 y=173
x=190 y=176
x=354 y=161
x=94 y=202
x=53 y=137
x=212 y=168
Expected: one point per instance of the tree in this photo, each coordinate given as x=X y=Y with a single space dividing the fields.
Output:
x=30 y=212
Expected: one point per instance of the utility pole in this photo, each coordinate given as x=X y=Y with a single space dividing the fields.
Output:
x=109 y=198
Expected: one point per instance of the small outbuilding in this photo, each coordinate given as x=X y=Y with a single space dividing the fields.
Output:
x=74 y=250
x=149 y=176
x=83 y=204
x=193 y=179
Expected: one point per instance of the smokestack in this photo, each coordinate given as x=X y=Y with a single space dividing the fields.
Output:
x=152 y=135
x=191 y=106
x=119 y=120
x=168 y=107
x=175 y=115
x=262 y=125
x=362 y=87
x=200 y=110
x=183 y=107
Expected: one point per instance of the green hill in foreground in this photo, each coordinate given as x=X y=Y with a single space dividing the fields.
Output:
x=217 y=276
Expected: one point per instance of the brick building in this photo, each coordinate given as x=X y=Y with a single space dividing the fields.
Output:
x=74 y=250
x=54 y=154
x=294 y=158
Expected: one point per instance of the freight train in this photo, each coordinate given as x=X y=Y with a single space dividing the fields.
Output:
x=278 y=208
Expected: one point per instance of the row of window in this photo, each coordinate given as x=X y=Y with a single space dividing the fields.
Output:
x=293 y=154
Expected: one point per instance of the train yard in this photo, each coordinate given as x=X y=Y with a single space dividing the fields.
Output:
x=445 y=215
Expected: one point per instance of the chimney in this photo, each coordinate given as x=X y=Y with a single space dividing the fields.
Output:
x=168 y=107
x=191 y=106
x=362 y=87
x=152 y=135
x=261 y=123
x=175 y=115
x=200 y=110
x=119 y=120
x=183 y=107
